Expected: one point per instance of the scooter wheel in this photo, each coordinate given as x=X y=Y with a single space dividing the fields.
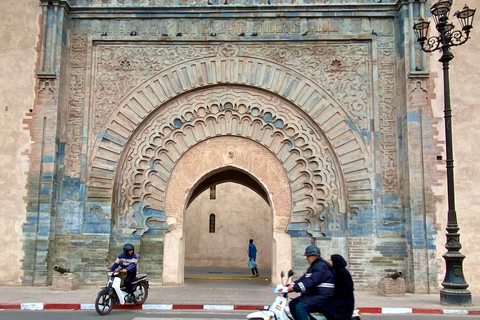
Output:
x=141 y=293
x=104 y=303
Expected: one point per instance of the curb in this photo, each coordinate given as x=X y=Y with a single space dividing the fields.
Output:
x=91 y=306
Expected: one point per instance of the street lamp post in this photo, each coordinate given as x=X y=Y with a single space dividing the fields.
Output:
x=454 y=290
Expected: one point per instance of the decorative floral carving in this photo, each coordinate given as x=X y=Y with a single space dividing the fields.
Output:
x=388 y=124
x=121 y=68
x=228 y=50
x=76 y=105
x=345 y=79
x=81 y=3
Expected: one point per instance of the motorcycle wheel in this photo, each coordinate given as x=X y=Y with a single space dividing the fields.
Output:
x=141 y=293
x=104 y=303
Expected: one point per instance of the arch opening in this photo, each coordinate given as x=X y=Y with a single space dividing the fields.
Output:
x=226 y=154
x=225 y=176
x=217 y=230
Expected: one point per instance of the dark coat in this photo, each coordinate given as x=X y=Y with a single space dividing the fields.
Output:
x=126 y=261
x=316 y=285
x=342 y=302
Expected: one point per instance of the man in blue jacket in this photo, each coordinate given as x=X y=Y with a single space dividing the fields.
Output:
x=128 y=261
x=252 y=257
x=316 y=285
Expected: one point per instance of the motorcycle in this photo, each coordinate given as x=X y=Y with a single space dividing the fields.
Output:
x=278 y=309
x=114 y=294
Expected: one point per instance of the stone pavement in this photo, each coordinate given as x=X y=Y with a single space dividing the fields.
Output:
x=225 y=290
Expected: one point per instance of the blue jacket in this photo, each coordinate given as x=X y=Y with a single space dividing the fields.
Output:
x=252 y=251
x=126 y=262
x=317 y=284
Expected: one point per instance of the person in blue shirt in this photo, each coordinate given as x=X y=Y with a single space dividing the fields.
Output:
x=128 y=261
x=316 y=286
x=252 y=257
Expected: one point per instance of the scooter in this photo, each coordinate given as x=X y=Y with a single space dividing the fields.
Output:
x=278 y=309
x=114 y=293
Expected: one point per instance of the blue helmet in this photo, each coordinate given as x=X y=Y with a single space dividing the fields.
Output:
x=127 y=247
x=312 y=251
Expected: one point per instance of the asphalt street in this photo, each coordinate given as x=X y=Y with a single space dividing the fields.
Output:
x=183 y=315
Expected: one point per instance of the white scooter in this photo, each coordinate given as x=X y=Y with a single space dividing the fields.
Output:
x=278 y=309
x=113 y=294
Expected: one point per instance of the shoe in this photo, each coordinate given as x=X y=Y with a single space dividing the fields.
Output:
x=252 y=276
x=256 y=275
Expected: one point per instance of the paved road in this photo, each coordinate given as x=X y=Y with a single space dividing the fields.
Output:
x=182 y=315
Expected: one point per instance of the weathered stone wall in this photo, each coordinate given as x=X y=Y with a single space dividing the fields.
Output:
x=151 y=102
x=465 y=102
x=378 y=123
x=19 y=32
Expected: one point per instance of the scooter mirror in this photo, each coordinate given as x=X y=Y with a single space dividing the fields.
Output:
x=290 y=273
x=282 y=274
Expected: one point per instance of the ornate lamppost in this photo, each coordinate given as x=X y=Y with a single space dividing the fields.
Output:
x=454 y=285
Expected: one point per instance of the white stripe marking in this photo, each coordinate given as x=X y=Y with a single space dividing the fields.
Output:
x=217 y=307
x=157 y=306
x=449 y=311
x=87 y=306
x=397 y=310
x=31 y=306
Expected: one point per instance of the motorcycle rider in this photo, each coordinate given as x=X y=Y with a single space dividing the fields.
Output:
x=341 y=305
x=128 y=261
x=316 y=286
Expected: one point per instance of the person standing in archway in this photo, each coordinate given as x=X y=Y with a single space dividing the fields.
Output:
x=252 y=257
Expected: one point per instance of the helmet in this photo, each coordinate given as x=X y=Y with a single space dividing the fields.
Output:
x=127 y=247
x=312 y=251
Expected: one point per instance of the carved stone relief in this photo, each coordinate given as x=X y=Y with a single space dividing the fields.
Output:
x=329 y=81
x=76 y=105
x=299 y=146
x=121 y=68
x=346 y=149
x=341 y=69
x=322 y=109
x=388 y=124
x=143 y=3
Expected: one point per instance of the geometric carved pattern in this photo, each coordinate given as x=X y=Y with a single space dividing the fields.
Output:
x=151 y=4
x=327 y=122
x=341 y=69
x=388 y=124
x=76 y=105
x=239 y=111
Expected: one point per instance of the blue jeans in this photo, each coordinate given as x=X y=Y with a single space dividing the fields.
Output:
x=300 y=310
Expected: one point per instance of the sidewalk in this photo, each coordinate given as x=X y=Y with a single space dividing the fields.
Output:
x=225 y=290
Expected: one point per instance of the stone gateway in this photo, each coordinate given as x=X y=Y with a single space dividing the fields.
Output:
x=186 y=127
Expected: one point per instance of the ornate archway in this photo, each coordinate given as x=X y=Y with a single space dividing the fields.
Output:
x=213 y=155
x=144 y=139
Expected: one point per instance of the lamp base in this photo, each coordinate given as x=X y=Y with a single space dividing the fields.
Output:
x=457 y=297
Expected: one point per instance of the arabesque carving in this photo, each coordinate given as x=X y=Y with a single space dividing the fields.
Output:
x=341 y=69
x=154 y=3
x=76 y=105
x=388 y=124
x=297 y=143
x=121 y=68
x=168 y=86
